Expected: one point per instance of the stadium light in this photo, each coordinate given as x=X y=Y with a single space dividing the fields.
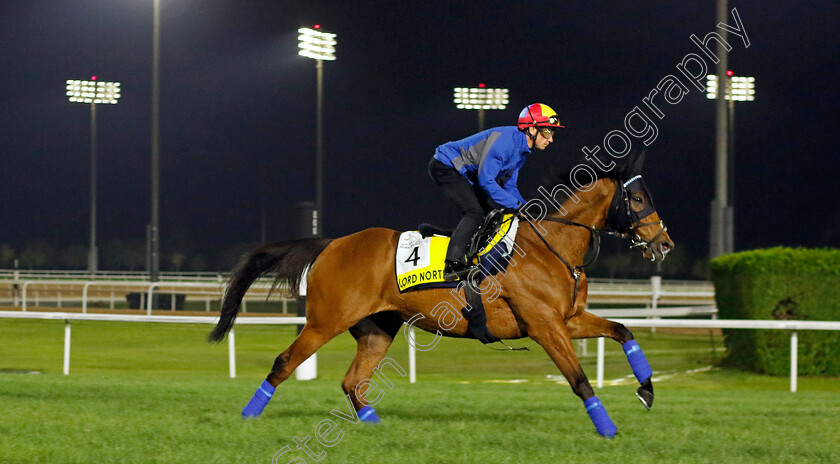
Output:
x=480 y=98
x=93 y=92
x=735 y=88
x=316 y=44
x=319 y=46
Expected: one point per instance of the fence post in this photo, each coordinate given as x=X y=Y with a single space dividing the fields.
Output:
x=583 y=347
x=412 y=356
x=656 y=290
x=84 y=296
x=66 y=368
x=23 y=296
x=232 y=354
x=794 y=341
x=150 y=299
x=599 y=383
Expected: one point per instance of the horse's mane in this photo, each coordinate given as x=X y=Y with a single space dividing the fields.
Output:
x=561 y=175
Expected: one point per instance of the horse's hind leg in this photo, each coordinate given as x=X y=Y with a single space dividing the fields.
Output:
x=308 y=341
x=556 y=342
x=374 y=335
x=587 y=325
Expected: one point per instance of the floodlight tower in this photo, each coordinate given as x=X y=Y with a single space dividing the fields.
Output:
x=93 y=92
x=319 y=46
x=480 y=98
x=735 y=88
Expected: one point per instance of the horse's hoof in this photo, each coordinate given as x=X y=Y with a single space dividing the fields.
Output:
x=608 y=434
x=252 y=411
x=645 y=394
x=368 y=415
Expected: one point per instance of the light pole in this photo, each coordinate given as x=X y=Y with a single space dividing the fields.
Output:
x=734 y=88
x=154 y=229
x=318 y=45
x=93 y=92
x=480 y=98
x=718 y=206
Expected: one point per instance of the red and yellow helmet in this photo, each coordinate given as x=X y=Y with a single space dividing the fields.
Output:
x=538 y=115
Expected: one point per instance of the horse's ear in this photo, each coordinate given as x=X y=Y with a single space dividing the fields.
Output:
x=636 y=164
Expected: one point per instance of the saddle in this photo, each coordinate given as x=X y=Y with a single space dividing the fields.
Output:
x=483 y=238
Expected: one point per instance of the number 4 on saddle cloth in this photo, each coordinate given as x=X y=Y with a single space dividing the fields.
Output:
x=419 y=262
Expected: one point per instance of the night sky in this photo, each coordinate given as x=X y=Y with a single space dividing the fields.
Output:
x=238 y=113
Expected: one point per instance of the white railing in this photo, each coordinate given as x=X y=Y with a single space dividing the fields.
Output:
x=793 y=326
x=655 y=291
x=67 y=317
x=21 y=274
x=635 y=319
x=258 y=290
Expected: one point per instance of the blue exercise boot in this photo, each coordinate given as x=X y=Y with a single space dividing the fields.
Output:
x=603 y=424
x=258 y=402
x=642 y=371
x=367 y=414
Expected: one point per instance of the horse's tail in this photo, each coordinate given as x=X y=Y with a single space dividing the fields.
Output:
x=287 y=259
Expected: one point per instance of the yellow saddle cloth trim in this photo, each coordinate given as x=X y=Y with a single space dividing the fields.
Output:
x=507 y=223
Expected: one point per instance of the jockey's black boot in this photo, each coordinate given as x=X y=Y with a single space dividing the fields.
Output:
x=476 y=316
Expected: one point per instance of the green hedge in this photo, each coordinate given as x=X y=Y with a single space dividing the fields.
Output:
x=779 y=284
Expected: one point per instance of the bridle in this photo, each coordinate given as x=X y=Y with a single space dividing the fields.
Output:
x=621 y=222
x=629 y=221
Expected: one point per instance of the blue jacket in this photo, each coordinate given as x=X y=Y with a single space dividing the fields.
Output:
x=490 y=159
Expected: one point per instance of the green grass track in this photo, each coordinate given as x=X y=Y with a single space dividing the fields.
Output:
x=157 y=393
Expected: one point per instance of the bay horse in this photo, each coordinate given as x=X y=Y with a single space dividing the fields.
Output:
x=351 y=286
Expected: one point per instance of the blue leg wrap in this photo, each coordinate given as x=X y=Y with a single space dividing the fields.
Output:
x=367 y=414
x=637 y=360
x=600 y=418
x=261 y=398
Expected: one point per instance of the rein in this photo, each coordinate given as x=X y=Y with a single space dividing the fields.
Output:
x=595 y=243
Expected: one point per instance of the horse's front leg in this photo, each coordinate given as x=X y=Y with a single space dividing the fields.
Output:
x=555 y=340
x=587 y=325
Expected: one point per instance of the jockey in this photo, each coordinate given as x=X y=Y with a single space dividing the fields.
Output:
x=479 y=174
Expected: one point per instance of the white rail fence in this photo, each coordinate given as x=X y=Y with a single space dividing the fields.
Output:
x=24 y=274
x=79 y=292
x=67 y=317
x=792 y=326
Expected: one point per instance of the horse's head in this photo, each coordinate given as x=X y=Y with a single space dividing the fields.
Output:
x=632 y=212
